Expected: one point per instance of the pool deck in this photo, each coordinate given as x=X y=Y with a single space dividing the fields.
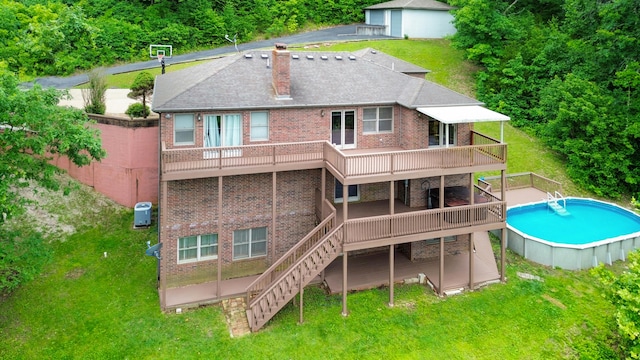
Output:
x=524 y=196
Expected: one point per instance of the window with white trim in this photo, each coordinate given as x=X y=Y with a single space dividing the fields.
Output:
x=183 y=129
x=249 y=243
x=377 y=120
x=259 y=126
x=197 y=248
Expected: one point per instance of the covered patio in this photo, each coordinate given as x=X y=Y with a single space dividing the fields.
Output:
x=372 y=270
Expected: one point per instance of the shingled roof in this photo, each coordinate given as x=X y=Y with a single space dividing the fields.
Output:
x=318 y=79
x=411 y=4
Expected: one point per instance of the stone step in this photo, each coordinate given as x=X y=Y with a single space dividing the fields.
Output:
x=236 y=316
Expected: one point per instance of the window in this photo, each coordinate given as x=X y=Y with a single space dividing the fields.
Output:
x=197 y=248
x=437 y=240
x=378 y=119
x=222 y=130
x=249 y=243
x=259 y=126
x=353 y=192
x=225 y=131
x=183 y=129
x=438 y=133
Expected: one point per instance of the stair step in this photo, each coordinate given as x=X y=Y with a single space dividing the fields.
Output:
x=235 y=313
x=558 y=209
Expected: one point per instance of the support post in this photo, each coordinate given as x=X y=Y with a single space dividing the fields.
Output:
x=391 y=198
x=301 y=296
x=472 y=255
x=391 y=273
x=274 y=212
x=344 y=284
x=503 y=253
x=345 y=202
x=221 y=238
x=441 y=272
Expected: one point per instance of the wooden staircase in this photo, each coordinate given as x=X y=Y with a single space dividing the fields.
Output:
x=293 y=272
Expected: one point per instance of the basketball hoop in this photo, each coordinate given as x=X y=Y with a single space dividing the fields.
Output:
x=160 y=58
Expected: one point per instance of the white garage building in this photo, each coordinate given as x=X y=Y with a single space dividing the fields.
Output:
x=412 y=18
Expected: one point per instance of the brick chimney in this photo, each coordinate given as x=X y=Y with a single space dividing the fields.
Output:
x=281 y=70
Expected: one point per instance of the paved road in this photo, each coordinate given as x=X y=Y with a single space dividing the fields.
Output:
x=339 y=33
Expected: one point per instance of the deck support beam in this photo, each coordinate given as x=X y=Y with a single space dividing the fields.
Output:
x=221 y=238
x=345 y=312
x=274 y=200
x=345 y=202
x=163 y=276
x=301 y=290
x=391 y=198
x=503 y=238
x=441 y=272
x=472 y=255
x=391 y=274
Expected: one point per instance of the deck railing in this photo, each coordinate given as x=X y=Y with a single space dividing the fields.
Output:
x=521 y=181
x=413 y=160
x=278 y=293
x=379 y=163
x=424 y=221
x=238 y=156
x=285 y=278
x=291 y=256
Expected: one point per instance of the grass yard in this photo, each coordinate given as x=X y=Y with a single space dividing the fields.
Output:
x=88 y=306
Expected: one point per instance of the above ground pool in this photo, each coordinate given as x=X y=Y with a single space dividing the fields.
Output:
x=572 y=233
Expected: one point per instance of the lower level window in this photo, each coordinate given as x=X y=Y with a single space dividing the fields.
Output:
x=249 y=243
x=437 y=240
x=198 y=247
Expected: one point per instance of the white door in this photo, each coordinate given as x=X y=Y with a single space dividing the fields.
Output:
x=343 y=129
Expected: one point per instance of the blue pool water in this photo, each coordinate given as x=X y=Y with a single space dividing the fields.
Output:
x=589 y=221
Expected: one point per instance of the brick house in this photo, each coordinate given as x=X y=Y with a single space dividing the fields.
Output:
x=259 y=151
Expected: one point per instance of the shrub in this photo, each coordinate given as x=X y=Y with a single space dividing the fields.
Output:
x=22 y=256
x=137 y=110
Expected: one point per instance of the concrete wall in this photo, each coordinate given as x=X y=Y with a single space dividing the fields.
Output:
x=129 y=172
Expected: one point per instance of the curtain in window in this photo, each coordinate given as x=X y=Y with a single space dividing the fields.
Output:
x=232 y=130
x=211 y=131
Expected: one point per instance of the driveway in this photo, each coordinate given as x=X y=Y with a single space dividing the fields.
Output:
x=338 y=33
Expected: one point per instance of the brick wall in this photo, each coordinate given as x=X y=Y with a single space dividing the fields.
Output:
x=421 y=250
x=410 y=129
x=129 y=172
x=192 y=209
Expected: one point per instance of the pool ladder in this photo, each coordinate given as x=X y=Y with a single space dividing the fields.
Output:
x=553 y=201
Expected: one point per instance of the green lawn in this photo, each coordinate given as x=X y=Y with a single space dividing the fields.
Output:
x=88 y=306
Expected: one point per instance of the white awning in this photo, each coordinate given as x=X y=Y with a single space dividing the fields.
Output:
x=462 y=114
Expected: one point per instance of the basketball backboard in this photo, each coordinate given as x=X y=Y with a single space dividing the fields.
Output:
x=165 y=51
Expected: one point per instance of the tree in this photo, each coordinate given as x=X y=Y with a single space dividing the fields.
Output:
x=624 y=292
x=33 y=128
x=142 y=88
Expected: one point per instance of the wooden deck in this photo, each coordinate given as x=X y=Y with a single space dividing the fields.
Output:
x=349 y=167
x=372 y=271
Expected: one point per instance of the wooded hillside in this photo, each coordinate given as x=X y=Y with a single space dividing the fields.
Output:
x=59 y=37
x=569 y=72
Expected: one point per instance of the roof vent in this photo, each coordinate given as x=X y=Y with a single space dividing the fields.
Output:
x=295 y=56
x=248 y=56
x=374 y=52
x=310 y=57
x=264 y=56
x=324 y=57
x=351 y=57
x=338 y=57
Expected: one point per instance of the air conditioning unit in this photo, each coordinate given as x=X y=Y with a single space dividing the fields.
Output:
x=142 y=214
